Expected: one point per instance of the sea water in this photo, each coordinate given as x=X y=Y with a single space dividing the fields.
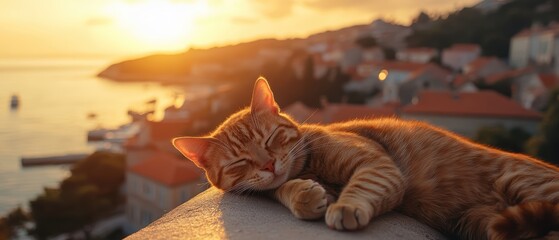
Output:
x=60 y=100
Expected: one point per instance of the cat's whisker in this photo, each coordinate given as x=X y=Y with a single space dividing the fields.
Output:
x=303 y=152
x=302 y=140
x=309 y=117
x=306 y=143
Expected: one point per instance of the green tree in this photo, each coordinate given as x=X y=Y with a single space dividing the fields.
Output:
x=91 y=192
x=13 y=221
x=492 y=30
x=366 y=42
x=504 y=87
x=512 y=140
x=545 y=144
x=422 y=18
x=389 y=53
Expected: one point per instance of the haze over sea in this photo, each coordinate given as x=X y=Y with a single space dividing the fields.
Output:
x=57 y=95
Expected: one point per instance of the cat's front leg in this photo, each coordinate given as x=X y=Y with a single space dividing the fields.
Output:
x=373 y=189
x=306 y=199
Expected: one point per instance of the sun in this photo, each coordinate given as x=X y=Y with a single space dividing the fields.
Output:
x=158 y=23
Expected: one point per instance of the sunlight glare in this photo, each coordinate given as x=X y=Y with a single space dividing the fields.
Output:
x=165 y=24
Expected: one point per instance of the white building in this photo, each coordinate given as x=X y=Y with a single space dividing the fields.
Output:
x=418 y=55
x=465 y=113
x=536 y=45
x=158 y=184
x=527 y=87
x=459 y=55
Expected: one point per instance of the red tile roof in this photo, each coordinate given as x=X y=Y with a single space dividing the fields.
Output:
x=480 y=62
x=549 y=80
x=460 y=80
x=435 y=71
x=167 y=169
x=478 y=104
x=494 y=78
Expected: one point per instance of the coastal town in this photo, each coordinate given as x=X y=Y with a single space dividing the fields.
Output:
x=411 y=86
x=359 y=72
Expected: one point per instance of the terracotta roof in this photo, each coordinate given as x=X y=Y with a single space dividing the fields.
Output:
x=480 y=62
x=398 y=65
x=464 y=47
x=167 y=169
x=460 y=80
x=549 y=80
x=480 y=104
x=435 y=70
x=494 y=78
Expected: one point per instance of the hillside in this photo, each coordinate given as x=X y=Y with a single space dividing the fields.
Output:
x=244 y=56
x=492 y=29
x=171 y=67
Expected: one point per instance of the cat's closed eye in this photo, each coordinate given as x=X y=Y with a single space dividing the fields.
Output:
x=238 y=163
x=272 y=137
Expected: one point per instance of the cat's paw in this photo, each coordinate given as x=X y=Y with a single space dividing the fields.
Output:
x=310 y=201
x=344 y=216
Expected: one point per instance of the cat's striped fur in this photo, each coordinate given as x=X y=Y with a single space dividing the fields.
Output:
x=351 y=172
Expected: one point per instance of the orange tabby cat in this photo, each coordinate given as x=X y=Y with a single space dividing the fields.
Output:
x=351 y=172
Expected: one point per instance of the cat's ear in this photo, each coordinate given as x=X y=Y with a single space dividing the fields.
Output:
x=263 y=98
x=193 y=148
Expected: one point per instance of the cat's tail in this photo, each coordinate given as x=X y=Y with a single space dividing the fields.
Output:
x=526 y=220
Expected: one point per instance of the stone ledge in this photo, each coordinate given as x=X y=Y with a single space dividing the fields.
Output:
x=215 y=215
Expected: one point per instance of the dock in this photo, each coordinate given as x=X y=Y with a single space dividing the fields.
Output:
x=52 y=160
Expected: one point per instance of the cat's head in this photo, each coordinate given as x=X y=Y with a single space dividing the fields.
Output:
x=257 y=148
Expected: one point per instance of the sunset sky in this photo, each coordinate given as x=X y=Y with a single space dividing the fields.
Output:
x=122 y=28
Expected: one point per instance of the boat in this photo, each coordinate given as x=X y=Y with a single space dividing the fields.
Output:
x=123 y=133
x=91 y=115
x=97 y=134
x=118 y=135
x=14 y=101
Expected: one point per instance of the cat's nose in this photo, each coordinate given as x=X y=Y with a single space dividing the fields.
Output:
x=269 y=166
